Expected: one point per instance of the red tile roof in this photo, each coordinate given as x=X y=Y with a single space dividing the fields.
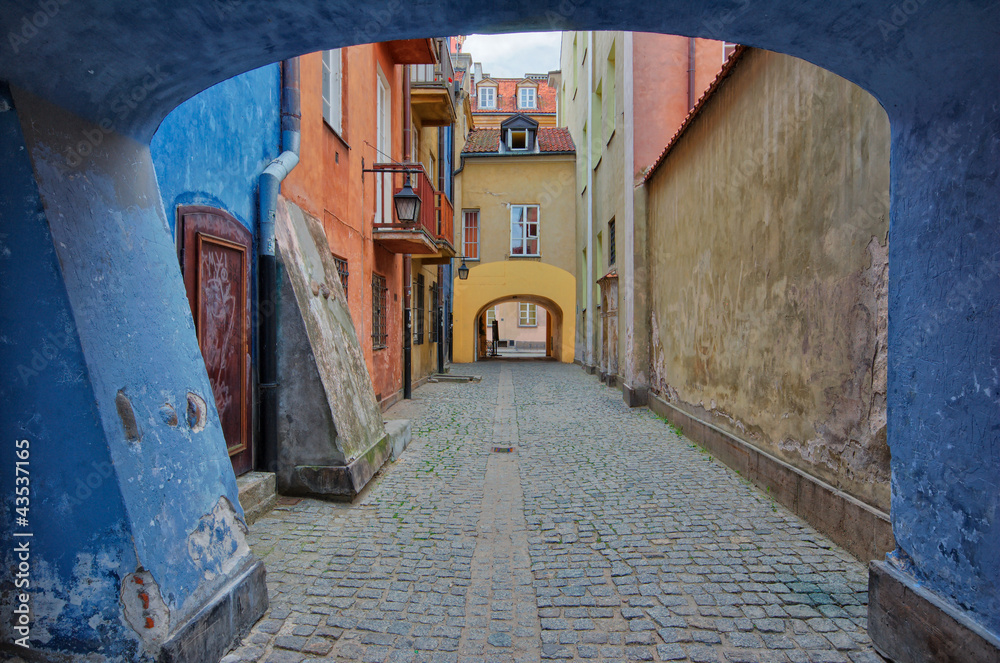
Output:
x=507 y=98
x=550 y=139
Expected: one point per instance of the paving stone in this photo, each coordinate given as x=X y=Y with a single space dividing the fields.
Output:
x=604 y=536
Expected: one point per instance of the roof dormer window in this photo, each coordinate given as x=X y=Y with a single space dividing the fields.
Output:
x=519 y=132
x=487 y=96
x=517 y=139
x=527 y=98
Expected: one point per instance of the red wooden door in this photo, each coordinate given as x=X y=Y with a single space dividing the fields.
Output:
x=215 y=258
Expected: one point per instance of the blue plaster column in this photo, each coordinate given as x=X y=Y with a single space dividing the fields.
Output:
x=944 y=362
x=139 y=540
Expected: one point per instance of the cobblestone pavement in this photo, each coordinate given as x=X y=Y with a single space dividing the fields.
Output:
x=603 y=536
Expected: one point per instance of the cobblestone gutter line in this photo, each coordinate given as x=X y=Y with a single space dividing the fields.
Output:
x=501 y=617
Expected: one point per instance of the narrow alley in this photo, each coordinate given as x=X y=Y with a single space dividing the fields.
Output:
x=603 y=535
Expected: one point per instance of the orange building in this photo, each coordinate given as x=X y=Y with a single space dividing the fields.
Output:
x=358 y=129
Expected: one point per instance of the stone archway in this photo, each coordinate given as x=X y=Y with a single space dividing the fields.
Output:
x=544 y=285
x=82 y=211
x=554 y=324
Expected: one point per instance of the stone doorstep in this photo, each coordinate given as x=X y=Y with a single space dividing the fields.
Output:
x=448 y=377
x=400 y=433
x=258 y=494
x=910 y=624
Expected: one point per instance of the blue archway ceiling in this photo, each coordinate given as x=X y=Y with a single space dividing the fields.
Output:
x=129 y=64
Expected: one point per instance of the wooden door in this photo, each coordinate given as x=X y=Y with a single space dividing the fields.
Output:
x=215 y=258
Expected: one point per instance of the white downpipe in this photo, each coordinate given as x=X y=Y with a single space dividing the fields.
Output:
x=591 y=313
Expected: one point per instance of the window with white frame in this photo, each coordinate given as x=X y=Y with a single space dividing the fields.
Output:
x=491 y=315
x=527 y=315
x=332 y=89
x=526 y=98
x=524 y=230
x=487 y=96
x=470 y=226
x=517 y=139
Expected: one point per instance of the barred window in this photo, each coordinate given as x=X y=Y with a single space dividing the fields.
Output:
x=435 y=312
x=418 y=327
x=380 y=312
x=342 y=271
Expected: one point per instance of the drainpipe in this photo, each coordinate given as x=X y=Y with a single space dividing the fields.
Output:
x=408 y=260
x=267 y=288
x=691 y=71
x=589 y=352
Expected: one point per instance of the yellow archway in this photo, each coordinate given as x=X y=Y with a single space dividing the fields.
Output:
x=551 y=287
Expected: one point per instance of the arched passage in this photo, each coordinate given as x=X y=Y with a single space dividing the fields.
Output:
x=552 y=322
x=544 y=285
x=92 y=81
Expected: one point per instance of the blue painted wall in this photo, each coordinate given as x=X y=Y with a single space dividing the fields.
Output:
x=125 y=295
x=213 y=147
x=75 y=511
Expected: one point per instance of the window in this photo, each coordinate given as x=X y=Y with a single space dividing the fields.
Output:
x=470 y=237
x=435 y=312
x=517 y=139
x=342 y=272
x=527 y=315
x=524 y=230
x=611 y=242
x=380 y=312
x=610 y=109
x=383 y=128
x=418 y=326
x=487 y=97
x=491 y=315
x=332 y=99
x=526 y=97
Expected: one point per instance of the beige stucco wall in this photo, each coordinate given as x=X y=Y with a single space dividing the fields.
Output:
x=768 y=266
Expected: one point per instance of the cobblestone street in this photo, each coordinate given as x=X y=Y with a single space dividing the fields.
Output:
x=603 y=535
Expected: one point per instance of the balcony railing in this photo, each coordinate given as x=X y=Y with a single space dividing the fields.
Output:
x=442 y=73
x=436 y=216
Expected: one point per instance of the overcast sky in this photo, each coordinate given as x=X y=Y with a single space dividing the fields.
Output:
x=514 y=55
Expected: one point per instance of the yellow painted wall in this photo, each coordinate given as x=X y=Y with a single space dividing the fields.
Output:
x=507 y=280
x=491 y=185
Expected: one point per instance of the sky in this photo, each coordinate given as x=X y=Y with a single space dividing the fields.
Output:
x=514 y=55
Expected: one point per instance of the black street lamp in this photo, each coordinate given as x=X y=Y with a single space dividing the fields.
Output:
x=407 y=203
x=463 y=270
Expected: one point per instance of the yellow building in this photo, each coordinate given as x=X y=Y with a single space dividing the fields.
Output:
x=516 y=191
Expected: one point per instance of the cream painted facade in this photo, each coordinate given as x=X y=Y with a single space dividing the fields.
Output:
x=622 y=95
x=489 y=186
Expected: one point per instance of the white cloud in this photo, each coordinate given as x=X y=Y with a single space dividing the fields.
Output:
x=514 y=55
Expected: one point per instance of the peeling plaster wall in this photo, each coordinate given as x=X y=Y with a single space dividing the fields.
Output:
x=769 y=268
x=139 y=367
x=81 y=548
